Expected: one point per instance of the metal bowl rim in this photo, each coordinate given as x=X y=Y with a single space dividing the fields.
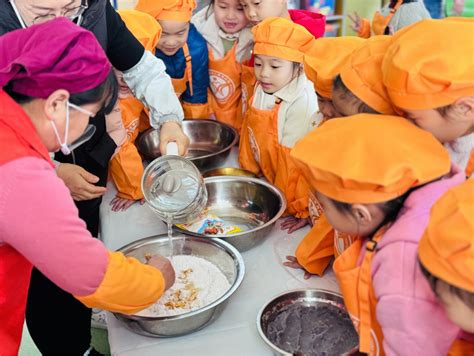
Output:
x=275 y=190
x=260 y=313
x=238 y=261
x=227 y=148
x=250 y=175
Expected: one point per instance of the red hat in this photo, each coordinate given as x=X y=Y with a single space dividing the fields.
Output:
x=54 y=55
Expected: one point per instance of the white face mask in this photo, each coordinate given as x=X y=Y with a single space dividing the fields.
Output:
x=86 y=136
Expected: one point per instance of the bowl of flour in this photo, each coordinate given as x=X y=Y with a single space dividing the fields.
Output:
x=208 y=272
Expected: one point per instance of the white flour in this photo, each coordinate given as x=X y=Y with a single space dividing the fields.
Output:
x=198 y=283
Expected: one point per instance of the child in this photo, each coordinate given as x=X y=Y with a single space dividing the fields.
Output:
x=281 y=109
x=126 y=167
x=446 y=254
x=224 y=26
x=430 y=78
x=256 y=12
x=324 y=64
x=380 y=185
x=359 y=87
x=394 y=16
x=184 y=52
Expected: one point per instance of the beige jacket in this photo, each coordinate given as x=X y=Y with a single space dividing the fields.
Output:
x=296 y=116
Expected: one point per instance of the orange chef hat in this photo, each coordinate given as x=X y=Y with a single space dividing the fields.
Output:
x=447 y=246
x=381 y=158
x=325 y=59
x=174 y=10
x=144 y=27
x=430 y=64
x=282 y=38
x=362 y=74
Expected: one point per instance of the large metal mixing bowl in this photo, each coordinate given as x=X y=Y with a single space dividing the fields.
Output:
x=308 y=297
x=251 y=204
x=223 y=255
x=211 y=142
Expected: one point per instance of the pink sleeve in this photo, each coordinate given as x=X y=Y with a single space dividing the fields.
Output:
x=414 y=327
x=39 y=219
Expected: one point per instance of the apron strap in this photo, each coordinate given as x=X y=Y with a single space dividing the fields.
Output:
x=365 y=288
x=189 y=67
x=392 y=12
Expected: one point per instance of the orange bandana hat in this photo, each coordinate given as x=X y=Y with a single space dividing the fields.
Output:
x=362 y=74
x=172 y=10
x=382 y=158
x=282 y=38
x=325 y=59
x=447 y=246
x=144 y=27
x=430 y=64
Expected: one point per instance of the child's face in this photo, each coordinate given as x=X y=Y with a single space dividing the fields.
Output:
x=230 y=15
x=258 y=10
x=346 y=105
x=273 y=73
x=456 y=309
x=174 y=36
x=327 y=108
x=124 y=91
x=445 y=129
x=361 y=220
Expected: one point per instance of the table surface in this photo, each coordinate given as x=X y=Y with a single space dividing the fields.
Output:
x=235 y=331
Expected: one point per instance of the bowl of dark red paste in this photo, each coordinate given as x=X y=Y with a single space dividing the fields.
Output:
x=311 y=322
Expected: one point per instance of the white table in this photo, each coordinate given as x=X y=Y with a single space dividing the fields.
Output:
x=234 y=332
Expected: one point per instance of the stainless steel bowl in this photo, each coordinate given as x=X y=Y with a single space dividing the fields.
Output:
x=308 y=297
x=223 y=255
x=229 y=171
x=249 y=203
x=211 y=142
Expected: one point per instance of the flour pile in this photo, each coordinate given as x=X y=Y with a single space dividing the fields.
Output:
x=198 y=283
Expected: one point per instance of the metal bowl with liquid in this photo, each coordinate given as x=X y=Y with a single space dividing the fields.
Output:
x=251 y=204
x=210 y=143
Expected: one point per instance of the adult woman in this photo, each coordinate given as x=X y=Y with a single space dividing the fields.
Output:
x=85 y=173
x=49 y=94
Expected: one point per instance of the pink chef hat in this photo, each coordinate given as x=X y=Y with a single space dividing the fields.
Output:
x=54 y=55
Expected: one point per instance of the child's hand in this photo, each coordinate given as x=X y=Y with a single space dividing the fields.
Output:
x=458 y=8
x=122 y=204
x=292 y=224
x=356 y=21
x=165 y=267
x=293 y=263
x=172 y=132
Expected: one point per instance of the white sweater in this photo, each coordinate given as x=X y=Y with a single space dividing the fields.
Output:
x=296 y=116
x=460 y=150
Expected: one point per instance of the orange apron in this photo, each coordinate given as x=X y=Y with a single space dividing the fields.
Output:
x=461 y=348
x=359 y=297
x=380 y=22
x=179 y=85
x=225 y=78
x=470 y=165
x=259 y=139
x=248 y=85
x=126 y=168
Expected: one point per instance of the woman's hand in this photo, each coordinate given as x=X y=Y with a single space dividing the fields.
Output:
x=293 y=263
x=80 y=182
x=122 y=204
x=166 y=268
x=172 y=132
x=292 y=224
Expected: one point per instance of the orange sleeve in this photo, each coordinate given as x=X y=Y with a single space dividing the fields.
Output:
x=128 y=286
x=364 y=30
x=126 y=168
x=315 y=251
x=196 y=111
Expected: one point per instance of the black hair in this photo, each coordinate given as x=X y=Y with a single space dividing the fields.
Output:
x=466 y=296
x=389 y=208
x=107 y=92
x=338 y=84
x=209 y=7
x=394 y=2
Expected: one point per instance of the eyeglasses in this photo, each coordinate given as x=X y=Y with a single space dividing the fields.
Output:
x=73 y=14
